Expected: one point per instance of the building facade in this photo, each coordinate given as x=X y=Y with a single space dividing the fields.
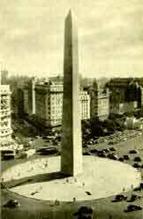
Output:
x=29 y=97
x=49 y=103
x=126 y=94
x=85 y=105
x=5 y=115
x=99 y=104
x=4 y=76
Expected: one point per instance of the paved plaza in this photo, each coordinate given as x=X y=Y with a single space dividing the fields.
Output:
x=100 y=178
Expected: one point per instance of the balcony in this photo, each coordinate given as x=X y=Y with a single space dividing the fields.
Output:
x=5 y=89
x=5 y=132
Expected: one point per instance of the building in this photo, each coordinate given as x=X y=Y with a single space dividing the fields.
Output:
x=29 y=97
x=49 y=103
x=4 y=76
x=99 y=100
x=5 y=115
x=126 y=94
x=85 y=105
x=133 y=123
x=46 y=98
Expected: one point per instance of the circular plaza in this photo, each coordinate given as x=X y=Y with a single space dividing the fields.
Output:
x=41 y=179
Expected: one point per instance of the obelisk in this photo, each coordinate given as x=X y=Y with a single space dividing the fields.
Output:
x=71 y=152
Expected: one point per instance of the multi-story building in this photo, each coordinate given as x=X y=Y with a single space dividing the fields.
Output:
x=5 y=115
x=49 y=103
x=47 y=98
x=85 y=105
x=29 y=97
x=99 y=104
x=4 y=76
x=126 y=94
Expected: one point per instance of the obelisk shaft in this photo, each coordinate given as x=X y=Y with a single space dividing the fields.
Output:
x=71 y=153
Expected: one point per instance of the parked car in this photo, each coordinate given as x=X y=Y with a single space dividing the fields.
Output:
x=12 y=203
x=134 y=197
x=139 y=188
x=133 y=208
x=137 y=159
x=84 y=212
x=8 y=154
x=106 y=150
x=112 y=149
x=110 y=142
x=45 y=137
x=126 y=157
x=133 y=151
x=86 y=153
x=84 y=145
x=141 y=185
x=119 y=198
x=136 y=165
x=112 y=156
x=94 y=151
x=101 y=154
x=47 y=150
x=121 y=159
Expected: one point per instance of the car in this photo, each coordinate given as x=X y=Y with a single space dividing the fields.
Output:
x=112 y=156
x=134 y=197
x=139 y=188
x=121 y=159
x=47 y=150
x=119 y=198
x=126 y=157
x=2 y=186
x=84 y=145
x=110 y=142
x=141 y=185
x=12 y=203
x=137 y=159
x=133 y=208
x=112 y=149
x=45 y=138
x=106 y=150
x=133 y=151
x=136 y=165
x=84 y=212
x=86 y=153
x=101 y=154
x=94 y=151
x=8 y=154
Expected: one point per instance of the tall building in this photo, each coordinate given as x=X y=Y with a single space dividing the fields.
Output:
x=71 y=152
x=5 y=115
x=126 y=94
x=49 y=103
x=84 y=105
x=29 y=97
x=49 y=98
x=4 y=76
x=99 y=100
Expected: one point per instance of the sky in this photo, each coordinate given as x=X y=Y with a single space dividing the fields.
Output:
x=110 y=36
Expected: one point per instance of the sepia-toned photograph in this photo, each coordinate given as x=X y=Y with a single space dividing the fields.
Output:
x=71 y=109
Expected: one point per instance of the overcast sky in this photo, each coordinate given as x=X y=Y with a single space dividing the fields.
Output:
x=110 y=36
